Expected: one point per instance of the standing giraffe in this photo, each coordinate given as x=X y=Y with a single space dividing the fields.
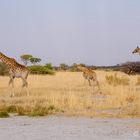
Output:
x=137 y=50
x=89 y=75
x=16 y=70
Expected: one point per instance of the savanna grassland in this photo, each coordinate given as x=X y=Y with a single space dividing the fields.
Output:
x=67 y=93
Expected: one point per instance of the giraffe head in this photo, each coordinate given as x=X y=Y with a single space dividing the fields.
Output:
x=81 y=68
x=137 y=50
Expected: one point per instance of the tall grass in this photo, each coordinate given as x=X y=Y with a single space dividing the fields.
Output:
x=138 y=81
x=115 y=80
x=67 y=93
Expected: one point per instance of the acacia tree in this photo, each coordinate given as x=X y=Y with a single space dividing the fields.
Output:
x=34 y=60
x=26 y=58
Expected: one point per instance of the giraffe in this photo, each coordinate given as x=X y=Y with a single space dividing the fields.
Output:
x=89 y=75
x=16 y=70
x=137 y=50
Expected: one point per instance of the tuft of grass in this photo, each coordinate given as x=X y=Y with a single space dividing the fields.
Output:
x=52 y=109
x=40 y=110
x=115 y=80
x=20 y=111
x=132 y=110
x=138 y=81
x=4 y=114
x=15 y=109
x=130 y=98
x=11 y=109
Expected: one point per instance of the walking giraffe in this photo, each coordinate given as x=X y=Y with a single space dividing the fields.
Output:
x=16 y=70
x=137 y=50
x=89 y=75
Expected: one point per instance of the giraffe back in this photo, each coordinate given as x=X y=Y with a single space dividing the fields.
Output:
x=87 y=73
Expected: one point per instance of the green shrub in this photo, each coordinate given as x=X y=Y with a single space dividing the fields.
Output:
x=52 y=109
x=49 y=66
x=38 y=69
x=39 y=110
x=4 y=114
x=11 y=109
x=115 y=80
x=15 y=109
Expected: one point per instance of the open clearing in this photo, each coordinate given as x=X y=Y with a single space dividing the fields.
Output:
x=68 y=128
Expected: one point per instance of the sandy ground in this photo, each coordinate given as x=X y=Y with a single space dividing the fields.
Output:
x=68 y=128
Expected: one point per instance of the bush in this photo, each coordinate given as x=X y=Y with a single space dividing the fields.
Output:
x=115 y=81
x=39 y=110
x=11 y=109
x=4 y=114
x=49 y=66
x=3 y=69
x=15 y=109
x=38 y=69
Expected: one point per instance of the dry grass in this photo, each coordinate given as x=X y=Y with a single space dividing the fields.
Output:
x=67 y=93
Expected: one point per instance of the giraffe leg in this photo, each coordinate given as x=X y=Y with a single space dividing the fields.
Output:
x=27 y=90
x=11 y=81
x=89 y=82
x=84 y=76
x=25 y=84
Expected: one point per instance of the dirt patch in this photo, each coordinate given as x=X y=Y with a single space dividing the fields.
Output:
x=69 y=128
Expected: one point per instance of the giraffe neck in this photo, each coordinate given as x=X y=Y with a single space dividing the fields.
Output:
x=6 y=60
x=83 y=69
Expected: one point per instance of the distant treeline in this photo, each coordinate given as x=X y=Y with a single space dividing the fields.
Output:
x=127 y=67
x=130 y=67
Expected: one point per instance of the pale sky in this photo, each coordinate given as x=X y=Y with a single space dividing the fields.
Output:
x=94 y=32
